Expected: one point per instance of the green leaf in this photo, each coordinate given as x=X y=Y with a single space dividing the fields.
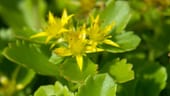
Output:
x=56 y=59
x=62 y=90
x=99 y=85
x=70 y=70
x=127 y=42
x=5 y=37
x=6 y=34
x=31 y=56
x=33 y=12
x=57 y=90
x=70 y=5
x=168 y=79
x=25 y=17
x=118 y=12
x=150 y=81
x=11 y=14
x=47 y=90
x=23 y=13
x=120 y=70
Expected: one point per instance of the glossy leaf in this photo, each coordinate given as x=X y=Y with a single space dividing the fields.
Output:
x=53 y=90
x=70 y=5
x=33 y=12
x=150 y=81
x=99 y=85
x=31 y=56
x=118 y=12
x=47 y=90
x=5 y=37
x=70 y=70
x=127 y=41
x=25 y=17
x=168 y=79
x=55 y=59
x=120 y=70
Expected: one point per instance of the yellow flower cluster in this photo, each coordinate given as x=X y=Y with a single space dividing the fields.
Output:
x=79 y=41
x=55 y=28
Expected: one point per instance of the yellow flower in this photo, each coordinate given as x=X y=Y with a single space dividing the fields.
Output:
x=55 y=27
x=78 y=41
x=77 y=46
x=65 y=18
x=98 y=35
x=85 y=40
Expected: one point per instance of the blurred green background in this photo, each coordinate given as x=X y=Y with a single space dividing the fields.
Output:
x=151 y=60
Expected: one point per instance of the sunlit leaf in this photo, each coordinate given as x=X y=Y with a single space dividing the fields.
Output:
x=33 y=12
x=150 y=81
x=120 y=70
x=31 y=56
x=70 y=70
x=118 y=12
x=99 y=85
x=127 y=42
x=53 y=90
x=25 y=17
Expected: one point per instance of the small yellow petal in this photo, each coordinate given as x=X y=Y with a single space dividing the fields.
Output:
x=99 y=49
x=51 y=19
x=110 y=42
x=91 y=49
x=96 y=20
x=109 y=28
x=65 y=18
x=62 y=51
x=40 y=34
x=62 y=30
x=79 y=59
x=64 y=15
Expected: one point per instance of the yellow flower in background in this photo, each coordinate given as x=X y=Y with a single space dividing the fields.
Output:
x=55 y=27
x=87 y=5
x=98 y=35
